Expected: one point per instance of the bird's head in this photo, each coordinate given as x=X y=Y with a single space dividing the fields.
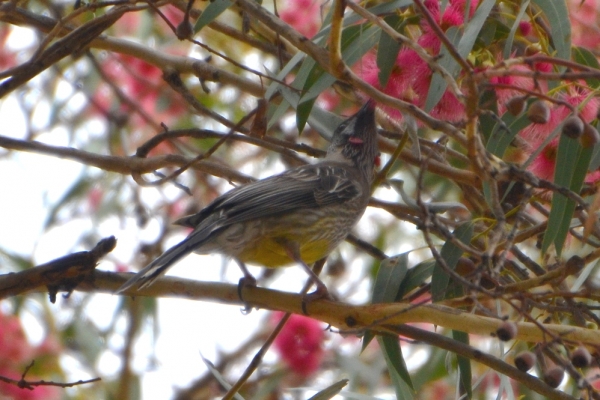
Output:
x=355 y=140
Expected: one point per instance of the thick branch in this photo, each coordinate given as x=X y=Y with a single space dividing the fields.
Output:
x=162 y=60
x=62 y=274
x=341 y=315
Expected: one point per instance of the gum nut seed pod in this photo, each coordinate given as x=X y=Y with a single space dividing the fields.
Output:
x=574 y=265
x=590 y=136
x=465 y=266
x=554 y=376
x=573 y=127
x=538 y=112
x=581 y=357
x=184 y=30
x=525 y=361
x=516 y=105
x=507 y=331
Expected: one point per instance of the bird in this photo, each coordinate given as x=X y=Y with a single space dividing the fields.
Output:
x=298 y=216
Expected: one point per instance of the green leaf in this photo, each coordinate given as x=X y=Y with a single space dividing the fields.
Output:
x=330 y=391
x=572 y=162
x=390 y=276
x=356 y=42
x=464 y=364
x=212 y=11
x=323 y=121
x=438 y=83
x=415 y=277
x=311 y=74
x=352 y=18
x=474 y=26
x=451 y=254
x=303 y=112
x=219 y=377
x=390 y=346
x=464 y=44
x=585 y=57
x=501 y=138
x=432 y=370
x=488 y=33
x=285 y=71
x=392 y=272
x=595 y=163
x=557 y=15
x=513 y=29
x=277 y=111
x=387 y=50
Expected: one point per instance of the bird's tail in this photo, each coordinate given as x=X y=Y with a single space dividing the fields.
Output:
x=158 y=267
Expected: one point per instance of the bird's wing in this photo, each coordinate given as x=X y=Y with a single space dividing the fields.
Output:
x=311 y=186
x=299 y=188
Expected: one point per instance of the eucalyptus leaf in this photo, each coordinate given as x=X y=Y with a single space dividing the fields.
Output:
x=464 y=364
x=572 y=162
x=560 y=26
x=450 y=253
x=392 y=353
x=211 y=12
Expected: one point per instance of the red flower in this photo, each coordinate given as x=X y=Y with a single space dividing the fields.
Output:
x=411 y=76
x=15 y=354
x=303 y=15
x=299 y=344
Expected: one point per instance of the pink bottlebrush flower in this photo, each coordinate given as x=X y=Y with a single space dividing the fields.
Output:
x=50 y=346
x=15 y=349
x=452 y=17
x=128 y=24
x=8 y=57
x=518 y=82
x=122 y=268
x=303 y=16
x=461 y=4
x=584 y=16
x=410 y=79
x=543 y=66
x=94 y=198
x=328 y=100
x=15 y=354
x=525 y=28
x=173 y=14
x=300 y=344
x=11 y=391
x=143 y=83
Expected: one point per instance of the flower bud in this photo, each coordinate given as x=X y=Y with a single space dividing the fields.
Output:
x=581 y=357
x=525 y=361
x=507 y=331
x=554 y=376
x=539 y=112
x=573 y=127
x=589 y=137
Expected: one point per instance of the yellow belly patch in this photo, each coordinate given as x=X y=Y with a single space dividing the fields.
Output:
x=271 y=254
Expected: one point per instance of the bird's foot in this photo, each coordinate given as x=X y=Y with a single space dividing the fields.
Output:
x=245 y=281
x=320 y=293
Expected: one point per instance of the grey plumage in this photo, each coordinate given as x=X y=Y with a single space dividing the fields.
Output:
x=312 y=207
